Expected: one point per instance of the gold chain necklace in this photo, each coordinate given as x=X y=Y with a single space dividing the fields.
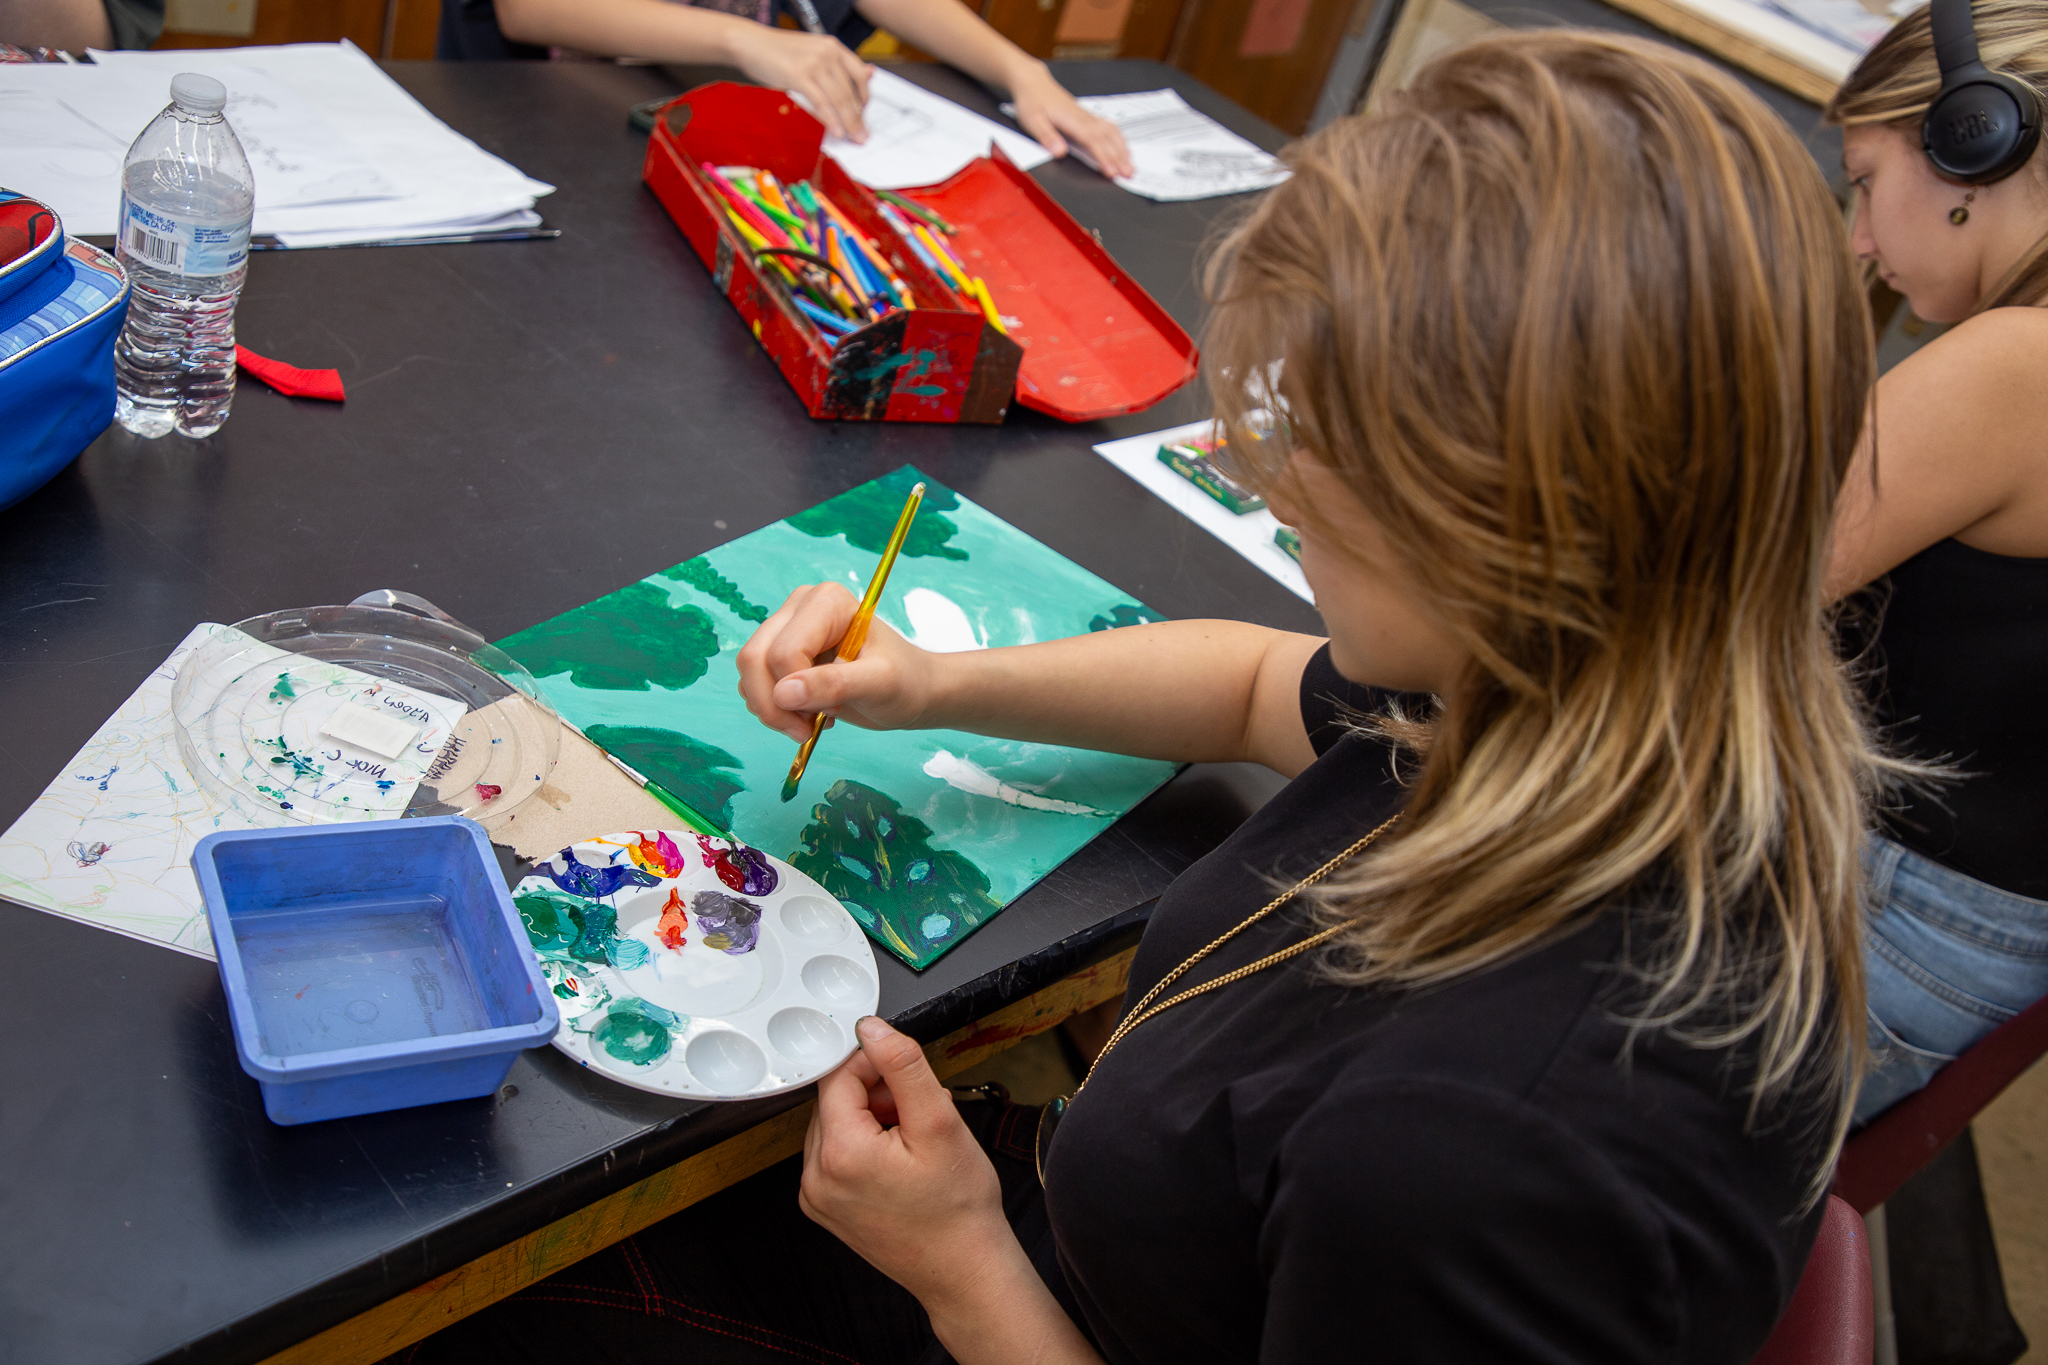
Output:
x=1049 y=1117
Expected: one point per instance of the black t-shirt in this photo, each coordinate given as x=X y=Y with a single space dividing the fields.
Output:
x=1287 y=1170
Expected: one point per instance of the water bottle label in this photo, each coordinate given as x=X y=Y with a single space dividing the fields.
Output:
x=183 y=248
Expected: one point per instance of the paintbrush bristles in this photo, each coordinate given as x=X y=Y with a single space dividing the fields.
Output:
x=803 y=757
x=857 y=630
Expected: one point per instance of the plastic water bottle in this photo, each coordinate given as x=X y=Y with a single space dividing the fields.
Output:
x=187 y=195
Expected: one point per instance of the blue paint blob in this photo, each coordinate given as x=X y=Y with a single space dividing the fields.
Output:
x=935 y=927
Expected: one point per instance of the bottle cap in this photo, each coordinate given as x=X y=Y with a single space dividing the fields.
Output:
x=197 y=94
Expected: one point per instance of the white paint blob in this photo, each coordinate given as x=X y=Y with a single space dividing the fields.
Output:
x=938 y=624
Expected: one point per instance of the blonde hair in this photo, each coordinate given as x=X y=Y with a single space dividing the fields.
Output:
x=1576 y=319
x=1899 y=77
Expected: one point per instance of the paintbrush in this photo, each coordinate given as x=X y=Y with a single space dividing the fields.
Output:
x=857 y=632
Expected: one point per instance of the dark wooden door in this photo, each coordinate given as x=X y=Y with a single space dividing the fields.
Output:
x=1271 y=56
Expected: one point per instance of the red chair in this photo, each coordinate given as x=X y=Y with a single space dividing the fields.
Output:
x=1905 y=1137
x=1829 y=1320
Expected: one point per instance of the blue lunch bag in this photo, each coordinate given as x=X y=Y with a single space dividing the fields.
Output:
x=61 y=306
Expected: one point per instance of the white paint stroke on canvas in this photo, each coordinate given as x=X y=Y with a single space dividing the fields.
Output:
x=970 y=777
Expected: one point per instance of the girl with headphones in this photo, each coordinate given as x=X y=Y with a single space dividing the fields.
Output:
x=1949 y=498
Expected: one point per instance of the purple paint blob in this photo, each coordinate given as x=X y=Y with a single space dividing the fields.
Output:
x=744 y=869
x=727 y=923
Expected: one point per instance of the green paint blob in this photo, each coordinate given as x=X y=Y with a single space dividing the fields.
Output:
x=627 y=641
x=699 y=574
x=631 y=1036
x=862 y=848
x=554 y=922
x=704 y=775
x=572 y=927
x=867 y=515
x=283 y=690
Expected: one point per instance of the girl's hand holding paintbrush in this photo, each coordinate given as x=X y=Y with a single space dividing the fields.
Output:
x=789 y=671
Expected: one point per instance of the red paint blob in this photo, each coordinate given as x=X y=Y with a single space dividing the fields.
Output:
x=486 y=793
x=673 y=921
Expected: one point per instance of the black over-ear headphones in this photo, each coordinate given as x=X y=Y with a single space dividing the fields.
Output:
x=1983 y=125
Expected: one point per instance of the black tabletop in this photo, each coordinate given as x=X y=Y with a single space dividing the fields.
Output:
x=529 y=425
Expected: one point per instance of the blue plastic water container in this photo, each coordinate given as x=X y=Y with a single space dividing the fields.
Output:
x=370 y=966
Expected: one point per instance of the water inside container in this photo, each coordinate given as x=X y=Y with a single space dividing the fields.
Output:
x=356 y=975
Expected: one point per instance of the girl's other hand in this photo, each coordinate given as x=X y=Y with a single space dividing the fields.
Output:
x=1055 y=119
x=830 y=77
x=891 y=1170
x=887 y=688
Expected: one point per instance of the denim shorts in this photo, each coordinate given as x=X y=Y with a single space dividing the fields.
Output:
x=1946 y=959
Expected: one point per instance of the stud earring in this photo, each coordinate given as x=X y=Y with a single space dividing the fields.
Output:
x=1960 y=214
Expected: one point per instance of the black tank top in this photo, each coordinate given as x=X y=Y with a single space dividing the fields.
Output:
x=1963 y=649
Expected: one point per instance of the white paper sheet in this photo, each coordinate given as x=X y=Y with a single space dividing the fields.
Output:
x=1250 y=534
x=110 y=840
x=337 y=147
x=1179 y=152
x=918 y=138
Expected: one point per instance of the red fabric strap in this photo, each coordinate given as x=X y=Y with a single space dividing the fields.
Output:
x=290 y=379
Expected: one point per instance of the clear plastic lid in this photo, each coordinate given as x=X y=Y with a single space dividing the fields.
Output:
x=383 y=708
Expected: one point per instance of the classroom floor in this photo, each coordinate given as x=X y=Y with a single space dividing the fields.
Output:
x=2012 y=1149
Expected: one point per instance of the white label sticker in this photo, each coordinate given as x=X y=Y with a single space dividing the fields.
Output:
x=165 y=243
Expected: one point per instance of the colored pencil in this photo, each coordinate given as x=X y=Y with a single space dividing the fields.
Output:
x=955 y=279
x=918 y=210
x=857 y=631
x=832 y=327
x=835 y=254
x=896 y=221
x=988 y=305
x=746 y=208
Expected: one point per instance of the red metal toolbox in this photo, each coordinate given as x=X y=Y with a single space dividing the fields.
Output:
x=1084 y=341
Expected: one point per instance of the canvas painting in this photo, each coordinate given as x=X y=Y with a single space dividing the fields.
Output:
x=924 y=835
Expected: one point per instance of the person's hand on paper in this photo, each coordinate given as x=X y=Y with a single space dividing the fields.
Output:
x=832 y=80
x=1049 y=114
x=886 y=688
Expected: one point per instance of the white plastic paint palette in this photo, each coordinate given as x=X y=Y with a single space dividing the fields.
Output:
x=698 y=967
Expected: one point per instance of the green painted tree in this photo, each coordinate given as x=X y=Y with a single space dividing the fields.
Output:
x=627 y=641
x=699 y=574
x=867 y=515
x=687 y=766
x=879 y=862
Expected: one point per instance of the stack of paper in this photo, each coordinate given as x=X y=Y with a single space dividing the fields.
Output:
x=341 y=153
